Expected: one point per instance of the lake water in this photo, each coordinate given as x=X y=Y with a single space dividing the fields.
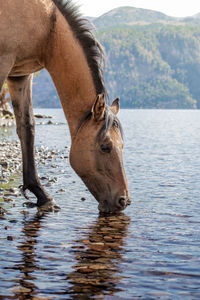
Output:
x=150 y=251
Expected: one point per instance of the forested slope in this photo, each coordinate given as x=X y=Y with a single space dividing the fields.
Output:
x=152 y=60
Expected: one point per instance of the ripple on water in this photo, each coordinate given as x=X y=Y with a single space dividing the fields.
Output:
x=150 y=251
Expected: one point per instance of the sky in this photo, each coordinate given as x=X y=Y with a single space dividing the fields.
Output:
x=175 y=8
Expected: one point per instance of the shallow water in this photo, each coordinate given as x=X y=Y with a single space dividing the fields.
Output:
x=151 y=251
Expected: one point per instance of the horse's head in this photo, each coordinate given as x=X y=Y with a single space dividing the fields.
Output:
x=96 y=156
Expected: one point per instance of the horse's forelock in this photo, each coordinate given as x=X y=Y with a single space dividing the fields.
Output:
x=110 y=120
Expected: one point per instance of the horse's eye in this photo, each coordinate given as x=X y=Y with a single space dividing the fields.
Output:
x=105 y=148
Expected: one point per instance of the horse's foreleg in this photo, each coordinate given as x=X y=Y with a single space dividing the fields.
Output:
x=21 y=96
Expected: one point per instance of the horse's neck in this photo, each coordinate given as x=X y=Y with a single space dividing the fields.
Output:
x=69 y=70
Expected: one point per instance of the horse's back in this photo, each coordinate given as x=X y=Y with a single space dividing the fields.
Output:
x=24 y=27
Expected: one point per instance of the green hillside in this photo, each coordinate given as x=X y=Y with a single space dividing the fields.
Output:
x=153 y=66
x=152 y=60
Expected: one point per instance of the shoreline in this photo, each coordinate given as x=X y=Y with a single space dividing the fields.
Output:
x=7 y=118
x=11 y=169
x=10 y=159
x=10 y=172
x=7 y=122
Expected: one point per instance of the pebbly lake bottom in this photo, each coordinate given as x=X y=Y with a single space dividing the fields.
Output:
x=150 y=251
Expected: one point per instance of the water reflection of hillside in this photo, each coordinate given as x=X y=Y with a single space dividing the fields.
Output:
x=97 y=270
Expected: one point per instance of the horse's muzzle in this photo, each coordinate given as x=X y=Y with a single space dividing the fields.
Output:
x=120 y=204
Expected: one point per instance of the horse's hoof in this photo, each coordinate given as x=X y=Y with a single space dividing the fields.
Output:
x=29 y=204
x=49 y=206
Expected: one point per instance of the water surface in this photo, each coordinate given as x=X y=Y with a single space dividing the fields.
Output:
x=151 y=251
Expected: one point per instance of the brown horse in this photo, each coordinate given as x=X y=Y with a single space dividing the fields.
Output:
x=51 y=34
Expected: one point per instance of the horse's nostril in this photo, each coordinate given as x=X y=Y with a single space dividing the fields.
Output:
x=122 y=202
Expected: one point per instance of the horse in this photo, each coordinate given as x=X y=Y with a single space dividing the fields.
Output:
x=52 y=34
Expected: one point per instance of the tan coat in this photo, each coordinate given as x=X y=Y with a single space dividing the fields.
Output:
x=34 y=35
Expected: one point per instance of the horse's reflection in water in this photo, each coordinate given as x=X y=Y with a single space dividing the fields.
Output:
x=29 y=263
x=97 y=271
x=97 y=258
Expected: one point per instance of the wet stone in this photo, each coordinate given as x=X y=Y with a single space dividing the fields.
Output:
x=44 y=178
x=61 y=191
x=7 y=199
x=54 y=166
x=2 y=211
x=13 y=190
x=11 y=194
x=4 y=164
x=6 y=227
x=10 y=238
x=13 y=221
x=39 y=116
x=53 y=180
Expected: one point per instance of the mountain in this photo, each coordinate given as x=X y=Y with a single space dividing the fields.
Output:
x=130 y=16
x=44 y=91
x=152 y=60
x=197 y=16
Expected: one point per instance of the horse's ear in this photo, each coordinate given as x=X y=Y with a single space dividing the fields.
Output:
x=98 y=109
x=115 y=106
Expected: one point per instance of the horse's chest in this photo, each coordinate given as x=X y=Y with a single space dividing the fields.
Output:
x=25 y=67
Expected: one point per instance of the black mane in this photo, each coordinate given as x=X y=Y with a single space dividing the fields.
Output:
x=92 y=49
